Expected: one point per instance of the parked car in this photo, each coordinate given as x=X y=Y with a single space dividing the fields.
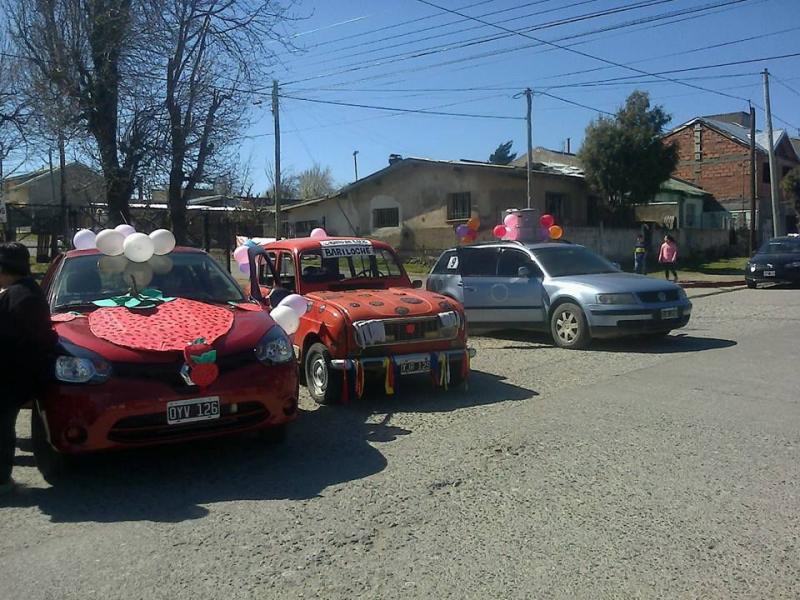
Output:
x=363 y=313
x=107 y=395
x=562 y=288
x=777 y=261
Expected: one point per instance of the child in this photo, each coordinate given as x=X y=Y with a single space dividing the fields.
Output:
x=640 y=256
x=668 y=256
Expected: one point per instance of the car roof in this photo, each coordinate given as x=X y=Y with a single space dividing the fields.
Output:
x=176 y=250
x=516 y=244
x=307 y=243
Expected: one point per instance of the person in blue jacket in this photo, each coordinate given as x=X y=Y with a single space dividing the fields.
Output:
x=640 y=256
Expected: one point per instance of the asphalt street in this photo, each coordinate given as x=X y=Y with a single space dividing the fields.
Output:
x=637 y=469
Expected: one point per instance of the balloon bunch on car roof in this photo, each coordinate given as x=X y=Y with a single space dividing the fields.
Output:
x=125 y=240
x=520 y=225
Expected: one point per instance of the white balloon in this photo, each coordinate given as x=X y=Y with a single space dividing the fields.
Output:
x=111 y=265
x=138 y=247
x=163 y=241
x=109 y=242
x=161 y=264
x=318 y=233
x=296 y=302
x=125 y=229
x=286 y=318
x=140 y=273
x=84 y=239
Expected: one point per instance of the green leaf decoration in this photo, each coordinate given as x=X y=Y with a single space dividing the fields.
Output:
x=147 y=298
x=205 y=358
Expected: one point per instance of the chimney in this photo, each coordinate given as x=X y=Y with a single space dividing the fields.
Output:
x=393 y=158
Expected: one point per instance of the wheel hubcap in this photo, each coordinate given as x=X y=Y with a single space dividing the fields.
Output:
x=567 y=326
x=319 y=374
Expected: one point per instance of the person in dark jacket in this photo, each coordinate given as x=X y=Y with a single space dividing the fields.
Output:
x=27 y=343
x=640 y=256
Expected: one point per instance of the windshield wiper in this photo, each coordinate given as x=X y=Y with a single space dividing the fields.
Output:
x=75 y=304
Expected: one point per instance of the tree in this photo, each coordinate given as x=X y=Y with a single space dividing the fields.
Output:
x=503 y=155
x=214 y=52
x=314 y=182
x=624 y=156
x=14 y=110
x=289 y=183
x=85 y=50
x=791 y=188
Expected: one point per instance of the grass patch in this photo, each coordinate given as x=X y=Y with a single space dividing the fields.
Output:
x=722 y=266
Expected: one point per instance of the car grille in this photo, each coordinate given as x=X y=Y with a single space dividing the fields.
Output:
x=169 y=373
x=670 y=296
x=154 y=426
x=412 y=330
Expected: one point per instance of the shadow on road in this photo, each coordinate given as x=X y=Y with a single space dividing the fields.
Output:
x=325 y=447
x=671 y=344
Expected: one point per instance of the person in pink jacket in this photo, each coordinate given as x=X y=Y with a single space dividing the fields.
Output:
x=668 y=256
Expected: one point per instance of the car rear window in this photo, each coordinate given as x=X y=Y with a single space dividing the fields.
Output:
x=447 y=264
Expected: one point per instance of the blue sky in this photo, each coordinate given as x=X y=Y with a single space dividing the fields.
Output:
x=367 y=52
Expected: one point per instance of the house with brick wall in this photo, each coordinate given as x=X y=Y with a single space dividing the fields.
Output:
x=714 y=155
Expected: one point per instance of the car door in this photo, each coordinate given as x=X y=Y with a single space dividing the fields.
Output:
x=478 y=269
x=444 y=278
x=519 y=287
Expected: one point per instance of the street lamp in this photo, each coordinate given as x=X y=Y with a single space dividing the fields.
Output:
x=355 y=162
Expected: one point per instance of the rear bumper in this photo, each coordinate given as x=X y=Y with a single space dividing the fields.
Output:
x=344 y=364
x=128 y=412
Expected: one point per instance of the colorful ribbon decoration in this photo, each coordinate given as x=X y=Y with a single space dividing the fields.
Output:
x=345 y=386
x=435 y=368
x=388 y=365
x=359 y=378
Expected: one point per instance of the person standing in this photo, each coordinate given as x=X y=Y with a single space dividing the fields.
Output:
x=640 y=256
x=668 y=256
x=27 y=343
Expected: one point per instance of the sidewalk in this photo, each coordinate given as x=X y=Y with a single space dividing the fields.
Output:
x=693 y=279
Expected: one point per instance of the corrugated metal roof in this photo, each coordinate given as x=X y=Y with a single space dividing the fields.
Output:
x=742 y=134
x=678 y=185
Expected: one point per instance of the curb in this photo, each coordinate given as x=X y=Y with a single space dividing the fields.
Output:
x=712 y=284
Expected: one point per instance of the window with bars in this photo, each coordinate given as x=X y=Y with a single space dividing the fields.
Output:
x=385 y=217
x=459 y=206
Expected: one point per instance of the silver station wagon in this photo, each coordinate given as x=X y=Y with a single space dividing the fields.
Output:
x=562 y=288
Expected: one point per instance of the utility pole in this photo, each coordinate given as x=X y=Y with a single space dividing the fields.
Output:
x=276 y=114
x=529 y=97
x=62 y=184
x=355 y=162
x=773 y=168
x=753 y=241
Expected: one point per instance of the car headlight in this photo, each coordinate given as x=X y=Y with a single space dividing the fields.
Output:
x=794 y=265
x=757 y=267
x=76 y=364
x=275 y=348
x=616 y=299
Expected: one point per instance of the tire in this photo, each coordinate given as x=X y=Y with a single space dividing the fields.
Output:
x=751 y=284
x=568 y=326
x=324 y=383
x=54 y=466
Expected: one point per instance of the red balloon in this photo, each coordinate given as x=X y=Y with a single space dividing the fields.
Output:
x=546 y=221
x=471 y=235
x=499 y=231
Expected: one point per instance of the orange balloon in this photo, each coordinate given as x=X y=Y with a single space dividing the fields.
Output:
x=555 y=232
x=474 y=223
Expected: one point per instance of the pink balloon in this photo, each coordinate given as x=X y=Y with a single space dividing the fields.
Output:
x=511 y=220
x=240 y=255
x=499 y=231
x=318 y=233
x=512 y=234
x=547 y=221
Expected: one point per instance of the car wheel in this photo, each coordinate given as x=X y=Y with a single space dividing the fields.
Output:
x=751 y=284
x=54 y=466
x=568 y=326
x=323 y=382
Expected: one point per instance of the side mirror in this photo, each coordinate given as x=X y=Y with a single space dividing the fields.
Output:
x=523 y=272
x=416 y=284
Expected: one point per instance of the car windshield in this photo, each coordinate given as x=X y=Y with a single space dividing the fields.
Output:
x=790 y=246
x=380 y=264
x=84 y=279
x=572 y=260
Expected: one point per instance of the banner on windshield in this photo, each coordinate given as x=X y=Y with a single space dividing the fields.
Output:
x=343 y=248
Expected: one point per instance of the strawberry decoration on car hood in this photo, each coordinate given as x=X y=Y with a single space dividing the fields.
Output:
x=200 y=367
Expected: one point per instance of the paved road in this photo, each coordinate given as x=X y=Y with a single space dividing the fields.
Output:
x=665 y=469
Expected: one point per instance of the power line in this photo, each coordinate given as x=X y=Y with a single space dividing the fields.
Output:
x=585 y=54
x=403 y=110
x=784 y=84
x=592 y=108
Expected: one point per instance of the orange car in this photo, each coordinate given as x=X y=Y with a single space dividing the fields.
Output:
x=364 y=314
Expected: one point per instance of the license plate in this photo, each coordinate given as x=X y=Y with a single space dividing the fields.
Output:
x=769 y=273
x=416 y=365
x=669 y=313
x=196 y=409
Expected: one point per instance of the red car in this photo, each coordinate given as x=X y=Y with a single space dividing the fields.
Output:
x=364 y=315
x=121 y=381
